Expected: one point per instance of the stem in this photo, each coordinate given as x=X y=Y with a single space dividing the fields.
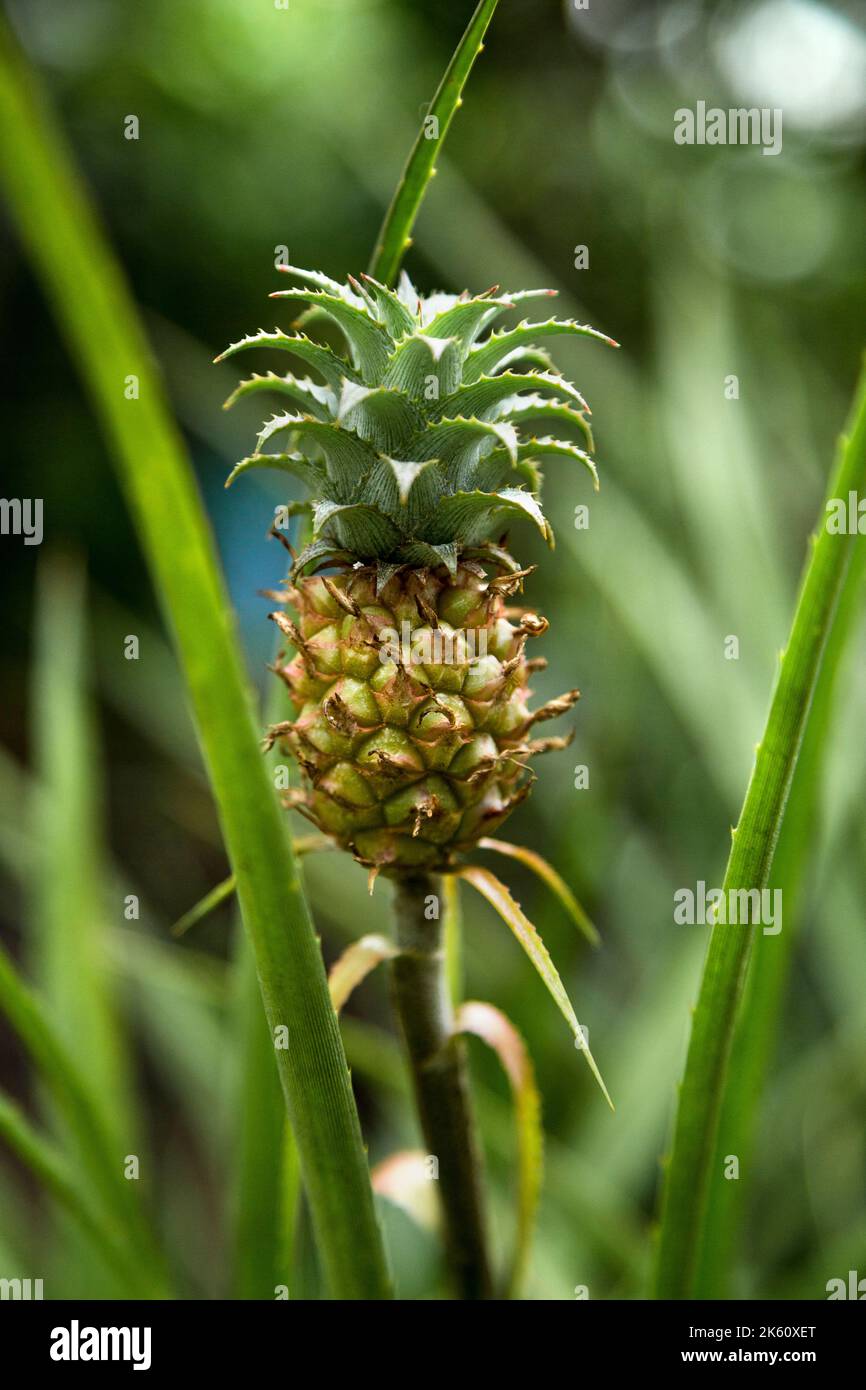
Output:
x=437 y=1059
x=395 y=233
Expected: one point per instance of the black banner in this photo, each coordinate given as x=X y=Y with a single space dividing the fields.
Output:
x=82 y=1339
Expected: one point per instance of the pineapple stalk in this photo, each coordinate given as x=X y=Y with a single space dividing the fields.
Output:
x=437 y=1060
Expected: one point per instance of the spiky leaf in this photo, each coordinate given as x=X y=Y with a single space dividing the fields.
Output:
x=359 y=528
x=368 y=342
x=487 y=357
x=483 y=396
x=382 y=415
x=415 y=446
x=425 y=367
x=311 y=474
x=318 y=400
x=468 y=514
x=348 y=457
x=499 y=898
x=333 y=368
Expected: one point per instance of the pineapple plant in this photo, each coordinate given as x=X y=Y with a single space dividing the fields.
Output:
x=410 y=673
x=406 y=658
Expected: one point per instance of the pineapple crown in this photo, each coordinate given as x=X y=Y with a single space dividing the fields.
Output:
x=422 y=440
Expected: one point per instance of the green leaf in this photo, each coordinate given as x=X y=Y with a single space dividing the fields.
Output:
x=419 y=553
x=514 y=298
x=485 y=395
x=499 y=898
x=319 y=400
x=426 y=490
x=385 y=571
x=391 y=482
x=420 y=361
x=382 y=415
x=533 y=357
x=319 y=551
x=463 y=319
x=495 y=1029
x=311 y=474
x=468 y=515
x=364 y=531
x=548 y=875
x=559 y=448
x=368 y=342
x=394 y=236
x=317 y=280
x=205 y=906
x=89 y=295
x=70 y=929
x=398 y=317
x=348 y=458
x=334 y=369
x=494 y=471
x=259 y=1131
x=462 y=439
x=487 y=357
x=492 y=554
x=49 y=1167
x=222 y=891
x=749 y=865
x=266 y=1175
x=526 y=410
x=101 y=1153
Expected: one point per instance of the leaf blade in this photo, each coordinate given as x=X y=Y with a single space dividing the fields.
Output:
x=548 y=875
x=394 y=234
x=749 y=863
x=98 y=316
x=501 y=900
x=495 y=1029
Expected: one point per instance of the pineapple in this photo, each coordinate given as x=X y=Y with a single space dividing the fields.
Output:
x=410 y=674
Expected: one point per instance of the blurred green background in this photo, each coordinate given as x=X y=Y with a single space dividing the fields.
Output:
x=262 y=128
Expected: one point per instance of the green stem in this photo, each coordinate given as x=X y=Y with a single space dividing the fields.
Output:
x=440 y=1079
x=394 y=236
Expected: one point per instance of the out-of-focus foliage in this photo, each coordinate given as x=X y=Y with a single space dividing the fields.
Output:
x=262 y=128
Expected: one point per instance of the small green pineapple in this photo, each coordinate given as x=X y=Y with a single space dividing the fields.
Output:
x=410 y=677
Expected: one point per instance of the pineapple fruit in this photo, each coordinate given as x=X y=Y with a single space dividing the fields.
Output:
x=410 y=676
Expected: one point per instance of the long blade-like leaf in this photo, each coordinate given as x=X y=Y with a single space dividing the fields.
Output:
x=555 y=882
x=101 y=1155
x=754 y=843
x=757 y=1025
x=301 y=844
x=495 y=1029
x=265 y=1162
x=94 y=307
x=395 y=234
x=259 y=1123
x=488 y=885
x=49 y=1167
x=71 y=961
